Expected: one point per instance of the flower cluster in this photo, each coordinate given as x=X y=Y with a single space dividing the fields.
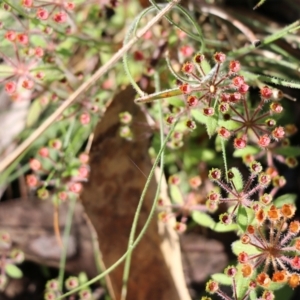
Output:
x=225 y=95
x=275 y=244
x=41 y=174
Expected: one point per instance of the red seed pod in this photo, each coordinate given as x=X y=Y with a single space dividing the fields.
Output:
x=238 y=81
x=243 y=257
x=85 y=118
x=174 y=179
x=276 y=107
x=185 y=88
x=220 y=57
x=186 y=50
x=225 y=97
x=296 y=262
x=235 y=97
x=31 y=180
x=35 y=164
x=44 y=152
x=266 y=199
x=188 y=68
x=278 y=133
x=245 y=239
x=224 y=133
x=199 y=58
x=243 y=89
x=250 y=229
x=264 y=141
x=42 y=14
x=225 y=219
x=10 y=87
x=22 y=38
x=215 y=174
x=138 y=55
x=170 y=119
x=60 y=17
x=10 y=35
x=27 y=3
x=213 y=196
x=208 y=111
x=266 y=92
x=190 y=124
x=234 y=66
x=255 y=167
x=239 y=143
x=230 y=271
x=28 y=84
x=180 y=227
x=224 y=107
x=192 y=101
x=264 y=179
x=270 y=122
x=211 y=287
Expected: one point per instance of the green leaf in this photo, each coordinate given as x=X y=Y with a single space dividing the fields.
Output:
x=273 y=80
x=245 y=217
x=13 y=271
x=238 y=247
x=198 y=116
x=175 y=194
x=222 y=278
x=203 y=219
x=245 y=151
x=288 y=151
x=210 y=122
x=285 y=199
x=220 y=227
x=285 y=293
x=237 y=179
x=242 y=283
x=242 y=218
x=211 y=126
x=230 y=124
x=34 y=113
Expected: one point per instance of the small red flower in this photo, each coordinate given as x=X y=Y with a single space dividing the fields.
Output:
x=278 y=133
x=60 y=17
x=239 y=143
x=238 y=81
x=266 y=92
x=10 y=35
x=42 y=14
x=264 y=141
x=10 y=87
x=220 y=57
x=234 y=66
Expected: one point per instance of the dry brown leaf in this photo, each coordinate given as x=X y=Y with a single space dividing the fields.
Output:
x=110 y=199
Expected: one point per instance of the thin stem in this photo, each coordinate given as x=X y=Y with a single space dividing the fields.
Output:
x=67 y=231
x=139 y=207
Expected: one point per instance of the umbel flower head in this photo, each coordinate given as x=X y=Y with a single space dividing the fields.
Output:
x=275 y=239
x=239 y=194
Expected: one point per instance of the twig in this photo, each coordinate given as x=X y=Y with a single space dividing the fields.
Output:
x=85 y=86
